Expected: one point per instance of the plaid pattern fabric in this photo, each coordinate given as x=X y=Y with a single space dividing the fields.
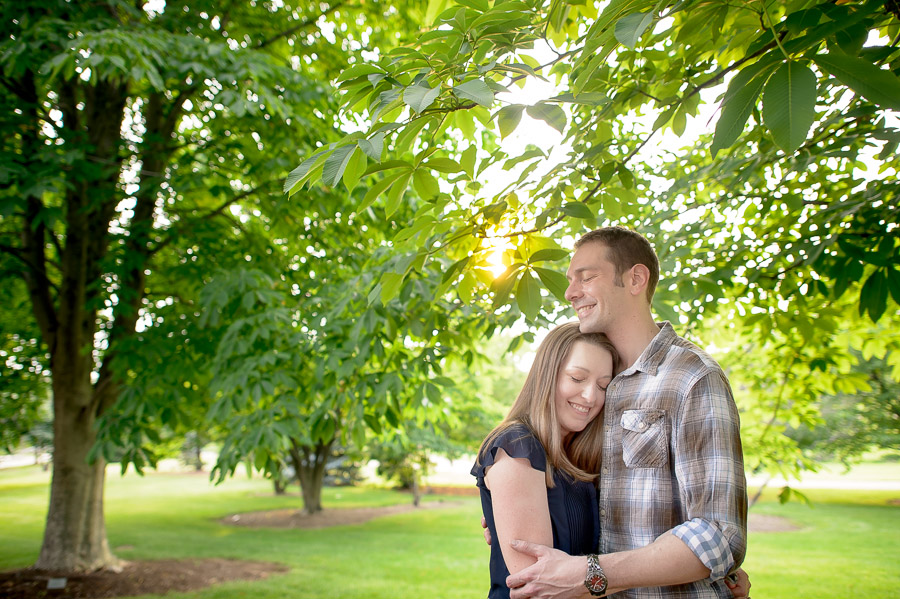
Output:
x=672 y=462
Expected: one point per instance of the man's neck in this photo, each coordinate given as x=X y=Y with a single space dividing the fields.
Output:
x=632 y=336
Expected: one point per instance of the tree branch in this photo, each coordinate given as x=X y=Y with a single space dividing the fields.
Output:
x=301 y=25
x=217 y=211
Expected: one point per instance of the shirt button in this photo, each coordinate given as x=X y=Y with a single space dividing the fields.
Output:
x=642 y=425
x=602 y=513
x=605 y=470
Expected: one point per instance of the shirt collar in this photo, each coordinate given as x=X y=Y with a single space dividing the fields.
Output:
x=655 y=353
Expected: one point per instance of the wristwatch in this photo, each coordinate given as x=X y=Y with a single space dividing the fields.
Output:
x=595 y=580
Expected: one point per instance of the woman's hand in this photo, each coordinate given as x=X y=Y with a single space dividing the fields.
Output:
x=739 y=583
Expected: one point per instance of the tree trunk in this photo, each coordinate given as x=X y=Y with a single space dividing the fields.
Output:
x=416 y=489
x=75 y=535
x=309 y=464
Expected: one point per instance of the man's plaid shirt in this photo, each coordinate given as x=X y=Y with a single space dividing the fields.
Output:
x=672 y=463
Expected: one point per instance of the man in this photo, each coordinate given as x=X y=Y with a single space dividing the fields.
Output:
x=672 y=496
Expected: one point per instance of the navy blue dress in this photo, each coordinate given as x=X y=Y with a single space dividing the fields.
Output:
x=573 y=504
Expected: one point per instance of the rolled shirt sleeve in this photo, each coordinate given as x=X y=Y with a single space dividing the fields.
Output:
x=708 y=544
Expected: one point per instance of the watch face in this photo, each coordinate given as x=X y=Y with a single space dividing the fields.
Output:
x=597 y=582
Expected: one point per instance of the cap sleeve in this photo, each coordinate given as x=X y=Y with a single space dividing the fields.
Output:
x=518 y=442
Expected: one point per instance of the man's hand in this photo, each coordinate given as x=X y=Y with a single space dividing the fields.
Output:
x=556 y=575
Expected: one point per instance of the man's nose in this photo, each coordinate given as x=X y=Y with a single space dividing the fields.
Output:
x=572 y=291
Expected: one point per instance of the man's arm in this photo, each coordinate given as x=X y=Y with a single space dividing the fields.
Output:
x=709 y=468
x=556 y=575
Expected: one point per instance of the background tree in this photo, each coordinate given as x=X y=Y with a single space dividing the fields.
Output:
x=306 y=368
x=134 y=149
x=853 y=424
x=776 y=219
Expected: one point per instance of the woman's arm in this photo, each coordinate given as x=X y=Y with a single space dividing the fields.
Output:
x=519 y=498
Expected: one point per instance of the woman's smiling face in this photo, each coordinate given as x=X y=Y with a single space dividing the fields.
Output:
x=581 y=386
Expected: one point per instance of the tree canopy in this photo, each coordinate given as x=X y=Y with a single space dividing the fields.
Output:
x=138 y=160
x=775 y=223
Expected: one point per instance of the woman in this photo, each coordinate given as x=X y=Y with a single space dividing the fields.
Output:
x=537 y=469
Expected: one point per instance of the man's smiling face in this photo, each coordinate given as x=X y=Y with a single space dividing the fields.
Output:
x=594 y=290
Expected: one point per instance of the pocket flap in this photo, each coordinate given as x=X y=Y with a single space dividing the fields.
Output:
x=639 y=421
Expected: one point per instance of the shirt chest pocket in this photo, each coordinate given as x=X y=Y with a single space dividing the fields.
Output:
x=645 y=443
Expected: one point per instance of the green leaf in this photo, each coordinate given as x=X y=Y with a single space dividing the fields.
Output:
x=631 y=27
x=379 y=188
x=357 y=71
x=467 y=160
x=336 y=163
x=355 y=168
x=502 y=285
x=426 y=185
x=442 y=164
x=555 y=282
x=873 y=295
x=508 y=119
x=435 y=7
x=299 y=175
x=391 y=282
x=551 y=114
x=578 y=210
x=373 y=146
x=528 y=296
x=373 y=423
x=419 y=97
x=876 y=85
x=548 y=254
x=407 y=137
x=789 y=105
x=395 y=194
x=739 y=101
x=475 y=90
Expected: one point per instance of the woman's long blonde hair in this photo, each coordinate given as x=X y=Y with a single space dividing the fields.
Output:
x=579 y=455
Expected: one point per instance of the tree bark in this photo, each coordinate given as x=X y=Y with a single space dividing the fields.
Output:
x=309 y=464
x=75 y=535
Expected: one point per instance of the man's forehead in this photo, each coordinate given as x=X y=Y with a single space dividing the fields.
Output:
x=588 y=257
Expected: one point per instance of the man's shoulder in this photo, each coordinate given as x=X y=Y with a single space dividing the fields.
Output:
x=684 y=355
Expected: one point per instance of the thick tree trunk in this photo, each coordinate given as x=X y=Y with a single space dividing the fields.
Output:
x=309 y=463
x=75 y=535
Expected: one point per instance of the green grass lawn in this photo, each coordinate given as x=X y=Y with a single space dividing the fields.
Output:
x=847 y=545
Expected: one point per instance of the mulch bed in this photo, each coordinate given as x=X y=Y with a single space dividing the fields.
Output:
x=292 y=518
x=136 y=578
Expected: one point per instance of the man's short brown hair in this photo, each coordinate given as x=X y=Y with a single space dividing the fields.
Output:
x=625 y=248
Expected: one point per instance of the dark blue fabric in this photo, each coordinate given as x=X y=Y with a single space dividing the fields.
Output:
x=573 y=504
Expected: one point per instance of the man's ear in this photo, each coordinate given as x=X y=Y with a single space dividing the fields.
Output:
x=638 y=279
